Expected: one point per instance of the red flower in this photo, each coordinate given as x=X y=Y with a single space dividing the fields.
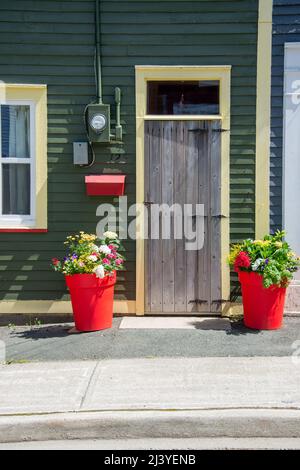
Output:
x=242 y=261
x=55 y=261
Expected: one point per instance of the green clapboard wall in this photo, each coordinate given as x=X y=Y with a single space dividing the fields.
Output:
x=52 y=42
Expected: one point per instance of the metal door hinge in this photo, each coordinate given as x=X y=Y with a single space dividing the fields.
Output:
x=219 y=301
x=221 y=130
x=148 y=203
x=198 y=130
x=198 y=301
x=220 y=216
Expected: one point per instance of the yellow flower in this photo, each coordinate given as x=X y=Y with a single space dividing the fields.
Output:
x=235 y=250
x=262 y=242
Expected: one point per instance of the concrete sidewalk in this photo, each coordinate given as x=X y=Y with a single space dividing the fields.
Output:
x=151 y=398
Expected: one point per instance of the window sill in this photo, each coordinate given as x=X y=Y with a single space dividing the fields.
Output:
x=23 y=230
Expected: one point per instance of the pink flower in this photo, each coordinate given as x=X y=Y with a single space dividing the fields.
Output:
x=242 y=261
x=105 y=261
x=111 y=247
x=119 y=261
x=111 y=256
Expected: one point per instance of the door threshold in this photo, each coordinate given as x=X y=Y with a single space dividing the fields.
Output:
x=180 y=323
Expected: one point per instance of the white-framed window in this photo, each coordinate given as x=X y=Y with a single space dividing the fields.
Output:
x=17 y=164
x=291 y=146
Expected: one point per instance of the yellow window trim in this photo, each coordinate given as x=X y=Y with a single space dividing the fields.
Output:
x=37 y=94
x=263 y=118
x=146 y=73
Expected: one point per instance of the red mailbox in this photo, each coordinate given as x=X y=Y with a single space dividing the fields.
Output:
x=105 y=185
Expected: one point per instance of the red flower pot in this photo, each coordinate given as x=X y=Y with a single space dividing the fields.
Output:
x=92 y=300
x=263 y=307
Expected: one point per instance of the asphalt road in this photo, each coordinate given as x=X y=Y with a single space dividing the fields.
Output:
x=52 y=342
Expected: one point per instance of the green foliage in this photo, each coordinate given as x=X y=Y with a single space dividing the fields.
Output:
x=34 y=324
x=271 y=257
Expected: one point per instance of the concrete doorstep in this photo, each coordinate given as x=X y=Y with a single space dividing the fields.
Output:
x=150 y=398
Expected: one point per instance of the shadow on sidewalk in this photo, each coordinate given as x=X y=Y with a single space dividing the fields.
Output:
x=36 y=333
x=234 y=328
x=214 y=324
x=238 y=328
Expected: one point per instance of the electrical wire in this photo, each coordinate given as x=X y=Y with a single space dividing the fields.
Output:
x=89 y=142
x=98 y=83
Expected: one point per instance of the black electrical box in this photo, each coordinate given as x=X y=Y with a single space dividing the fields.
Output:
x=98 y=122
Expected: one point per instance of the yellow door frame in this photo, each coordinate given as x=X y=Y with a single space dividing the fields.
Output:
x=143 y=74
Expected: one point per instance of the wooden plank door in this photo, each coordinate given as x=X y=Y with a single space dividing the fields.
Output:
x=183 y=166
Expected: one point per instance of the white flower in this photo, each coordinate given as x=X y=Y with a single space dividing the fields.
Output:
x=92 y=258
x=99 y=271
x=110 y=235
x=257 y=264
x=105 y=249
x=95 y=248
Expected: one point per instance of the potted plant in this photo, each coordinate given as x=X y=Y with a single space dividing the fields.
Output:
x=90 y=271
x=265 y=268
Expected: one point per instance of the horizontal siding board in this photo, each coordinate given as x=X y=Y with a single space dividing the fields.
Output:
x=167 y=18
x=41 y=16
x=178 y=7
x=188 y=28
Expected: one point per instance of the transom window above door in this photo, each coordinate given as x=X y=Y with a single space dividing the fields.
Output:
x=17 y=161
x=183 y=97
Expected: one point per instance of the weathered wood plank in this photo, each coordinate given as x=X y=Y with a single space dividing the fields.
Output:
x=203 y=198
x=180 y=182
x=147 y=142
x=216 y=216
x=168 y=245
x=155 y=196
x=191 y=142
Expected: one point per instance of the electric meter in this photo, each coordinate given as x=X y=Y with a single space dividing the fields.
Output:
x=98 y=122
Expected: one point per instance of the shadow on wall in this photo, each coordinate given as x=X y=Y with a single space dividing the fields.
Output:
x=27 y=275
